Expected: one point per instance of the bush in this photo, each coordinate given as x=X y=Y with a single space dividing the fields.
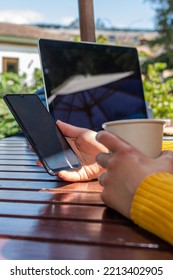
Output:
x=159 y=91
x=13 y=83
x=8 y=125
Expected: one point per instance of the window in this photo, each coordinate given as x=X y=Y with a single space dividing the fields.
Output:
x=10 y=64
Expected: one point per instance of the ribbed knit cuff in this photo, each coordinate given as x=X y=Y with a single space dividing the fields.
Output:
x=152 y=206
x=167 y=145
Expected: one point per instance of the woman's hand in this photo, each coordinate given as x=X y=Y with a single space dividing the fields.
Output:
x=125 y=168
x=86 y=147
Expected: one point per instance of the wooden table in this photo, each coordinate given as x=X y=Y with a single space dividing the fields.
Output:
x=44 y=218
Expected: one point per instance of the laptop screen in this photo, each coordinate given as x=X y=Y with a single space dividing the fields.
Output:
x=87 y=84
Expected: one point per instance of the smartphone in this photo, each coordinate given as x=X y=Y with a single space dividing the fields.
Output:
x=40 y=129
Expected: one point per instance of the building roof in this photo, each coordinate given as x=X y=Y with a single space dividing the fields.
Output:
x=9 y=31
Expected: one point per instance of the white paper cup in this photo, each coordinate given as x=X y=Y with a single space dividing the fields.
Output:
x=144 y=134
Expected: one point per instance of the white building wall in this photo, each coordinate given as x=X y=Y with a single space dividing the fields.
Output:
x=28 y=58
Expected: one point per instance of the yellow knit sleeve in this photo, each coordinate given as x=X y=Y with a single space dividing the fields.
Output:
x=152 y=206
x=167 y=145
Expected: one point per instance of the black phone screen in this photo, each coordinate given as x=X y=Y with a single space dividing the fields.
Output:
x=40 y=128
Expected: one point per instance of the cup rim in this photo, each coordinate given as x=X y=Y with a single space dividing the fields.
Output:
x=129 y=121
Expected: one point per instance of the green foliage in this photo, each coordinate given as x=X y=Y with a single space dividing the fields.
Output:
x=101 y=39
x=13 y=83
x=164 y=26
x=159 y=91
x=164 y=21
x=8 y=125
x=76 y=39
x=37 y=80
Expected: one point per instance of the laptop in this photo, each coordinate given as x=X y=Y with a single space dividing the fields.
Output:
x=87 y=84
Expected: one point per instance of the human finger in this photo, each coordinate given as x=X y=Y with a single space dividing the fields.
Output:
x=111 y=141
x=31 y=149
x=69 y=130
x=103 y=159
x=71 y=176
x=165 y=161
x=39 y=163
x=167 y=153
x=101 y=179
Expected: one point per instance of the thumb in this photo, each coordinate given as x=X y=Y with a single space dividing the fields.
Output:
x=71 y=176
x=167 y=154
x=69 y=130
x=165 y=161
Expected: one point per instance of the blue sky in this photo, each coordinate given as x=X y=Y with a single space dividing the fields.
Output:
x=117 y=13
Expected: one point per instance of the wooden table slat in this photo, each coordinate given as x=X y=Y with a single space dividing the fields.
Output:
x=16 y=152
x=28 y=176
x=26 y=250
x=55 y=186
x=64 y=212
x=22 y=168
x=49 y=197
x=18 y=156
x=18 y=162
x=78 y=232
x=4 y=147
